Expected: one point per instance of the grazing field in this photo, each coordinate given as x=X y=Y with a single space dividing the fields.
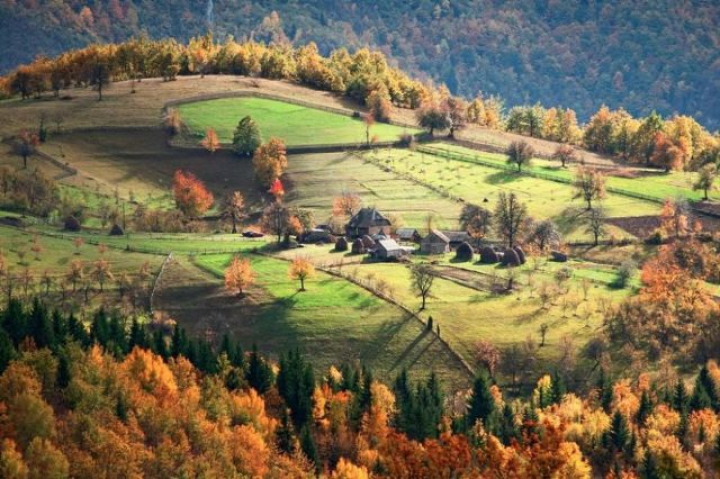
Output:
x=139 y=166
x=633 y=179
x=315 y=179
x=480 y=184
x=294 y=124
x=468 y=314
x=334 y=321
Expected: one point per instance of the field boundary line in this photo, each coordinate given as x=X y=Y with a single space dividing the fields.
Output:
x=167 y=259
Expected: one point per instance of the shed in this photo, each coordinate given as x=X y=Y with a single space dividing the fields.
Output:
x=435 y=243
x=389 y=249
x=367 y=221
x=408 y=235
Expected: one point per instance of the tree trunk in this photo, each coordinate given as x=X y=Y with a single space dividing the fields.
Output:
x=302 y=284
x=25 y=162
x=234 y=223
x=423 y=302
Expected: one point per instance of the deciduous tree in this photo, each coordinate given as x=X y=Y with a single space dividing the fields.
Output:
x=270 y=161
x=234 y=208
x=510 y=216
x=211 y=142
x=247 y=137
x=519 y=153
x=706 y=179
x=191 y=196
x=26 y=145
x=422 y=278
x=301 y=269
x=239 y=275
x=589 y=185
x=565 y=154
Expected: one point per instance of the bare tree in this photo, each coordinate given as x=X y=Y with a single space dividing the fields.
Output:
x=589 y=185
x=510 y=215
x=423 y=276
x=596 y=224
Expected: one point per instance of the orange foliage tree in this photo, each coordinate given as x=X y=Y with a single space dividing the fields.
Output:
x=301 y=269
x=191 y=196
x=211 y=142
x=239 y=275
x=270 y=161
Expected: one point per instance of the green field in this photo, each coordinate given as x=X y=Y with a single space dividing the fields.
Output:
x=294 y=124
x=316 y=179
x=480 y=184
x=333 y=321
x=650 y=182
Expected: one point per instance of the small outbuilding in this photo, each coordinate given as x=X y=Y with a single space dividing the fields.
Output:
x=408 y=235
x=367 y=221
x=388 y=249
x=435 y=243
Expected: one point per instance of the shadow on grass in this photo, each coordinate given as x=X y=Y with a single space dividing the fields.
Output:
x=502 y=177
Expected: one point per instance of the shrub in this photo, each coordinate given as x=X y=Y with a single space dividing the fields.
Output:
x=464 y=252
x=624 y=274
x=656 y=238
x=341 y=244
x=72 y=224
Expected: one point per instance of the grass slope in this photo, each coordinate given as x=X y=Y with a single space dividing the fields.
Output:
x=296 y=125
x=334 y=321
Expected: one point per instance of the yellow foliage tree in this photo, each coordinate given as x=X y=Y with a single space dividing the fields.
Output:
x=239 y=275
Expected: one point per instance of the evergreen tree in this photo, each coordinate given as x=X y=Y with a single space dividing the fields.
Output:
x=708 y=386
x=60 y=327
x=121 y=408
x=14 y=321
x=296 y=383
x=235 y=379
x=259 y=375
x=482 y=403
x=226 y=347
x=138 y=337
x=285 y=432
x=307 y=443
x=558 y=387
x=507 y=428
x=7 y=350
x=365 y=397
x=40 y=326
x=618 y=437
x=100 y=328
x=680 y=400
x=649 y=467
x=179 y=344
x=700 y=398
x=605 y=387
x=247 y=137
x=77 y=331
x=159 y=345
x=238 y=359
x=64 y=374
x=645 y=409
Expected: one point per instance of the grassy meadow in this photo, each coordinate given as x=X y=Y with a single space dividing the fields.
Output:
x=294 y=124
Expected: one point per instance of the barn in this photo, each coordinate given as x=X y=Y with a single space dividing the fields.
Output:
x=367 y=221
x=435 y=243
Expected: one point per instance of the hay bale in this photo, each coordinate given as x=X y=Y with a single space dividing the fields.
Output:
x=116 y=230
x=521 y=254
x=341 y=244
x=358 y=247
x=13 y=221
x=488 y=255
x=368 y=242
x=511 y=258
x=71 y=224
x=464 y=252
x=558 y=256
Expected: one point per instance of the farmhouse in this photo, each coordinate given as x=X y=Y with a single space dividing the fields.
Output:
x=435 y=243
x=388 y=249
x=408 y=235
x=367 y=221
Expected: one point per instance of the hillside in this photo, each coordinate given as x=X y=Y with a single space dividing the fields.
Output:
x=639 y=55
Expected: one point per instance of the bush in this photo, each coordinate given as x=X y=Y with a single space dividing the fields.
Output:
x=464 y=252
x=341 y=244
x=624 y=273
x=116 y=230
x=72 y=224
x=488 y=255
x=657 y=238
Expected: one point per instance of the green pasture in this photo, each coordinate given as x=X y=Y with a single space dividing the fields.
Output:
x=296 y=125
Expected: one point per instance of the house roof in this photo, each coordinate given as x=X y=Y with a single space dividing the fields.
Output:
x=436 y=236
x=457 y=236
x=406 y=232
x=388 y=245
x=368 y=217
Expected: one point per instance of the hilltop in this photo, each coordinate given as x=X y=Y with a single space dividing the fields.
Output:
x=642 y=56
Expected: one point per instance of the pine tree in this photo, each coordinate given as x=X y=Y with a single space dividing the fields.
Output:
x=259 y=375
x=618 y=436
x=60 y=327
x=645 y=408
x=40 y=326
x=649 y=467
x=285 y=432
x=159 y=345
x=137 y=338
x=307 y=443
x=605 y=386
x=558 y=387
x=64 y=374
x=100 y=328
x=238 y=359
x=507 y=428
x=14 y=321
x=179 y=343
x=121 y=408
x=365 y=397
x=700 y=398
x=7 y=350
x=482 y=403
x=77 y=331
x=680 y=398
x=709 y=386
